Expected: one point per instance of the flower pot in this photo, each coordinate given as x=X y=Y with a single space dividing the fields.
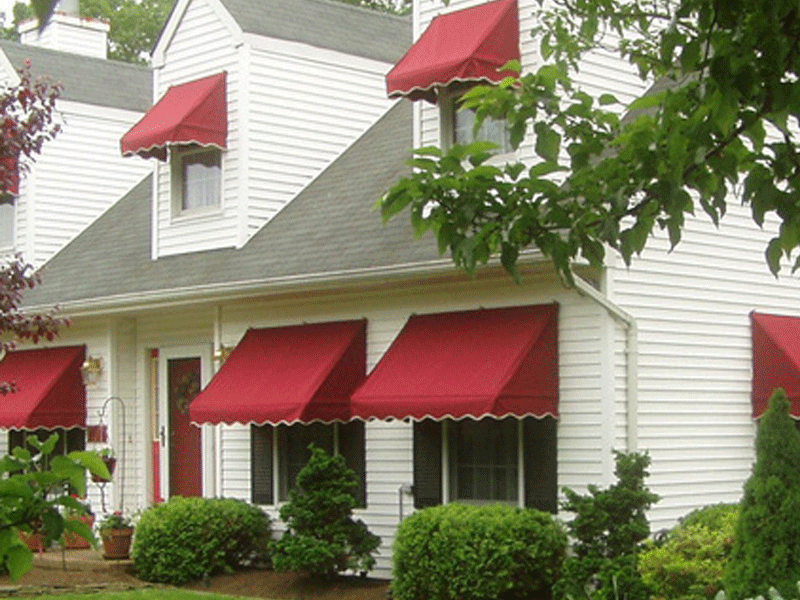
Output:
x=73 y=541
x=111 y=462
x=116 y=543
x=34 y=541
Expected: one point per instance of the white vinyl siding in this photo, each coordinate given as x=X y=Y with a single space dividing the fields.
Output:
x=306 y=106
x=692 y=306
x=61 y=194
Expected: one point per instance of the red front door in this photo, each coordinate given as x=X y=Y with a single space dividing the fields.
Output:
x=185 y=465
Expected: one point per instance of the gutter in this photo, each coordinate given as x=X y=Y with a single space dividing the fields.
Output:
x=238 y=289
x=632 y=357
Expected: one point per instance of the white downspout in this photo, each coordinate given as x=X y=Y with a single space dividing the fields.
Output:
x=632 y=362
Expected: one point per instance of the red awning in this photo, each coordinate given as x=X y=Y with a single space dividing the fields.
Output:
x=776 y=360
x=467 y=45
x=482 y=362
x=191 y=113
x=49 y=389
x=301 y=373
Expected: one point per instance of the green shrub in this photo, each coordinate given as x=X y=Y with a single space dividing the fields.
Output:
x=608 y=530
x=474 y=552
x=187 y=538
x=690 y=564
x=766 y=545
x=322 y=538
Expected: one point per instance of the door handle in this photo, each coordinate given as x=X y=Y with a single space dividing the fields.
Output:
x=163 y=437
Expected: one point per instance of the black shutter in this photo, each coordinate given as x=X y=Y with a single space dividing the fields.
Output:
x=427 y=463
x=261 y=463
x=352 y=447
x=76 y=439
x=541 y=464
x=16 y=439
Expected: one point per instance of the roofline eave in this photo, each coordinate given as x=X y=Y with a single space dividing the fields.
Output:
x=212 y=293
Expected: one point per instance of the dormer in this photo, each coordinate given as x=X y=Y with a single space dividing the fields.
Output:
x=294 y=88
x=188 y=130
x=456 y=51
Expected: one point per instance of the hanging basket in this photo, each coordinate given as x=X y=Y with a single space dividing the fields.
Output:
x=111 y=462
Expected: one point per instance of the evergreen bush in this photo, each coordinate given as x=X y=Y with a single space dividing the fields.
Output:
x=690 y=563
x=607 y=532
x=188 y=538
x=766 y=546
x=322 y=538
x=458 y=552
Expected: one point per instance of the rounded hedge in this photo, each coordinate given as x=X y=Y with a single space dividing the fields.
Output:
x=187 y=538
x=690 y=563
x=475 y=552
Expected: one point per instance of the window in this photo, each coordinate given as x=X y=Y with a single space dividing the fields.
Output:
x=6 y=221
x=288 y=444
x=491 y=130
x=483 y=457
x=509 y=460
x=68 y=439
x=198 y=179
x=458 y=125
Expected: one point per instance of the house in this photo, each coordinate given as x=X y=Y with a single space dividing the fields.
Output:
x=248 y=285
x=64 y=191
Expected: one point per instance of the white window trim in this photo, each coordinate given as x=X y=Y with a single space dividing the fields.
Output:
x=177 y=212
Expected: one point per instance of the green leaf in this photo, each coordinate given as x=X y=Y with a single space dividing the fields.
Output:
x=773 y=255
x=648 y=101
x=544 y=168
x=548 y=141
x=19 y=560
x=508 y=258
x=49 y=444
x=606 y=99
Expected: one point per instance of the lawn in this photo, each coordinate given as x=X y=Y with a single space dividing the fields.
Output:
x=144 y=594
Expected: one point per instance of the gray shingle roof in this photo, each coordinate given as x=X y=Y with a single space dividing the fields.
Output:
x=85 y=79
x=330 y=227
x=326 y=24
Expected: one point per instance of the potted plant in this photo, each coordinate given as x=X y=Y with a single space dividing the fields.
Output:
x=107 y=456
x=84 y=515
x=35 y=538
x=116 y=531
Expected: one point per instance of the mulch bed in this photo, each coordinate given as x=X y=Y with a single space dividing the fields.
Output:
x=253 y=583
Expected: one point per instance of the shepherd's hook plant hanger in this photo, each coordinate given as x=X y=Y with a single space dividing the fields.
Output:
x=121 y=467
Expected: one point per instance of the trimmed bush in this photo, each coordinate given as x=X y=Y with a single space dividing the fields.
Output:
x=690 y=564
x=322 y=538
x=608 y=531
x=188 y=538
x=475 y=552
x=766 y=546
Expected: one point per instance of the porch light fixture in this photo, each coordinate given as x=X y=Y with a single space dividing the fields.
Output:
x=90 y=370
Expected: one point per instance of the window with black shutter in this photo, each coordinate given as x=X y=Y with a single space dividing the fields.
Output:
x=293 y=454
x=482 y=460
